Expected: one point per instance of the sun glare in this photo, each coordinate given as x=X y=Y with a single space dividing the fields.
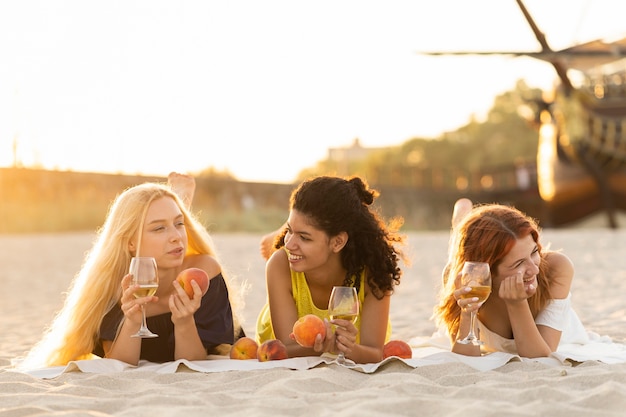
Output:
x=201 y=84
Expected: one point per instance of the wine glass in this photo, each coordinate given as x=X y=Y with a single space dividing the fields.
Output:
x=343 y=304
x=144 y=271
x=477 y=276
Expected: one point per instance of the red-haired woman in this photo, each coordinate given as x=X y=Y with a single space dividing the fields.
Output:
x=529 y=310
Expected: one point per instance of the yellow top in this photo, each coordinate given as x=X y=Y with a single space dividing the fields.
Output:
x=305 y=305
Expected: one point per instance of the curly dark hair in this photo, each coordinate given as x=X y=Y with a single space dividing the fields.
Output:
x=334 y=205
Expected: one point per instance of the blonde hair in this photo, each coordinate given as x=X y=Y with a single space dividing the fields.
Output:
x=97 y=287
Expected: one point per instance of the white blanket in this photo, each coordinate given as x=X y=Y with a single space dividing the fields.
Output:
x=426 y=351
x=223 y=364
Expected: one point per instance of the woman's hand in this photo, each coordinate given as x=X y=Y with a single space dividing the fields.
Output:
x=467 y=304
x=183 y=307
x=344 y=336
x=512 y=288
x=131 y=306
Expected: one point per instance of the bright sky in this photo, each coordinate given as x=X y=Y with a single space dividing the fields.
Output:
x=259 y=87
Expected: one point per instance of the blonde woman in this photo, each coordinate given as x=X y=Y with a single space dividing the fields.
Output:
x=100 y=312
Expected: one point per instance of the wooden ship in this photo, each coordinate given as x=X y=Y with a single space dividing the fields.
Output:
x=581 y=157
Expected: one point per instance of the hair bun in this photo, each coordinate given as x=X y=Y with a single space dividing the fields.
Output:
x=365 y=194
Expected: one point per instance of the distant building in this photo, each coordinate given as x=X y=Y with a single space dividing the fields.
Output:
x=353 y=152
x=343 y=156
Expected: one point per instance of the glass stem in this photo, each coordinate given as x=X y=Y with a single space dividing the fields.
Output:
x=144 y=323
x=472 y=320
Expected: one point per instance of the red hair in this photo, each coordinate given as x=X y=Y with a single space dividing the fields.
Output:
x=487 y=234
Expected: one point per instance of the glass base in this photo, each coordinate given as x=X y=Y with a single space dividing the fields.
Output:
x=466 y=341
x=342 y=360
x=145 y=334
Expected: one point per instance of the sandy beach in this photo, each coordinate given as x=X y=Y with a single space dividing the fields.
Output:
x=36 y=269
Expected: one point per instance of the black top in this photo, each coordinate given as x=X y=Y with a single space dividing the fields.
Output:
x=214 y=321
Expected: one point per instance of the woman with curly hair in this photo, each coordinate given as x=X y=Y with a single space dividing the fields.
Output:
x=101 y=313
x=529 y=310
x=332 y=238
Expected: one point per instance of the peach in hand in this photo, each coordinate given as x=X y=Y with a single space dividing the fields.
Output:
x=306 y=329
x=244 y=348
x=398 y=348
x=271 y=350
x=199 y=275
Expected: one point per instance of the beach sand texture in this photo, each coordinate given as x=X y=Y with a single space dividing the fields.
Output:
x=35 y=270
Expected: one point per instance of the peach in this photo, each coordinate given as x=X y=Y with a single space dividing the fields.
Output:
x=244 y=348
x=397 y=348
x=199 y=275
x=307 y=328
x=271 y=350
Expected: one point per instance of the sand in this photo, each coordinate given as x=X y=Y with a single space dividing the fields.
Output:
x=36 y=269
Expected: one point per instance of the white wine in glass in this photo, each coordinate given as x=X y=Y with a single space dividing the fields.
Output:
x=477 y=276
x=343 y=304
x=144 y=271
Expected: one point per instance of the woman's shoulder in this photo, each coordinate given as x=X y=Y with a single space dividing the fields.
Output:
x=560 y=272
x=558 y=261
x=203 y=261
x=277 y=269
x=278 y=260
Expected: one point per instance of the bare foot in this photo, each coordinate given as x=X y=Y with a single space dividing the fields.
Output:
x=266 y=246
x=462 y=207
x=183 y=185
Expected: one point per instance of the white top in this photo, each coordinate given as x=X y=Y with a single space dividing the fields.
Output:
x=558 y=314
x=576 y=343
